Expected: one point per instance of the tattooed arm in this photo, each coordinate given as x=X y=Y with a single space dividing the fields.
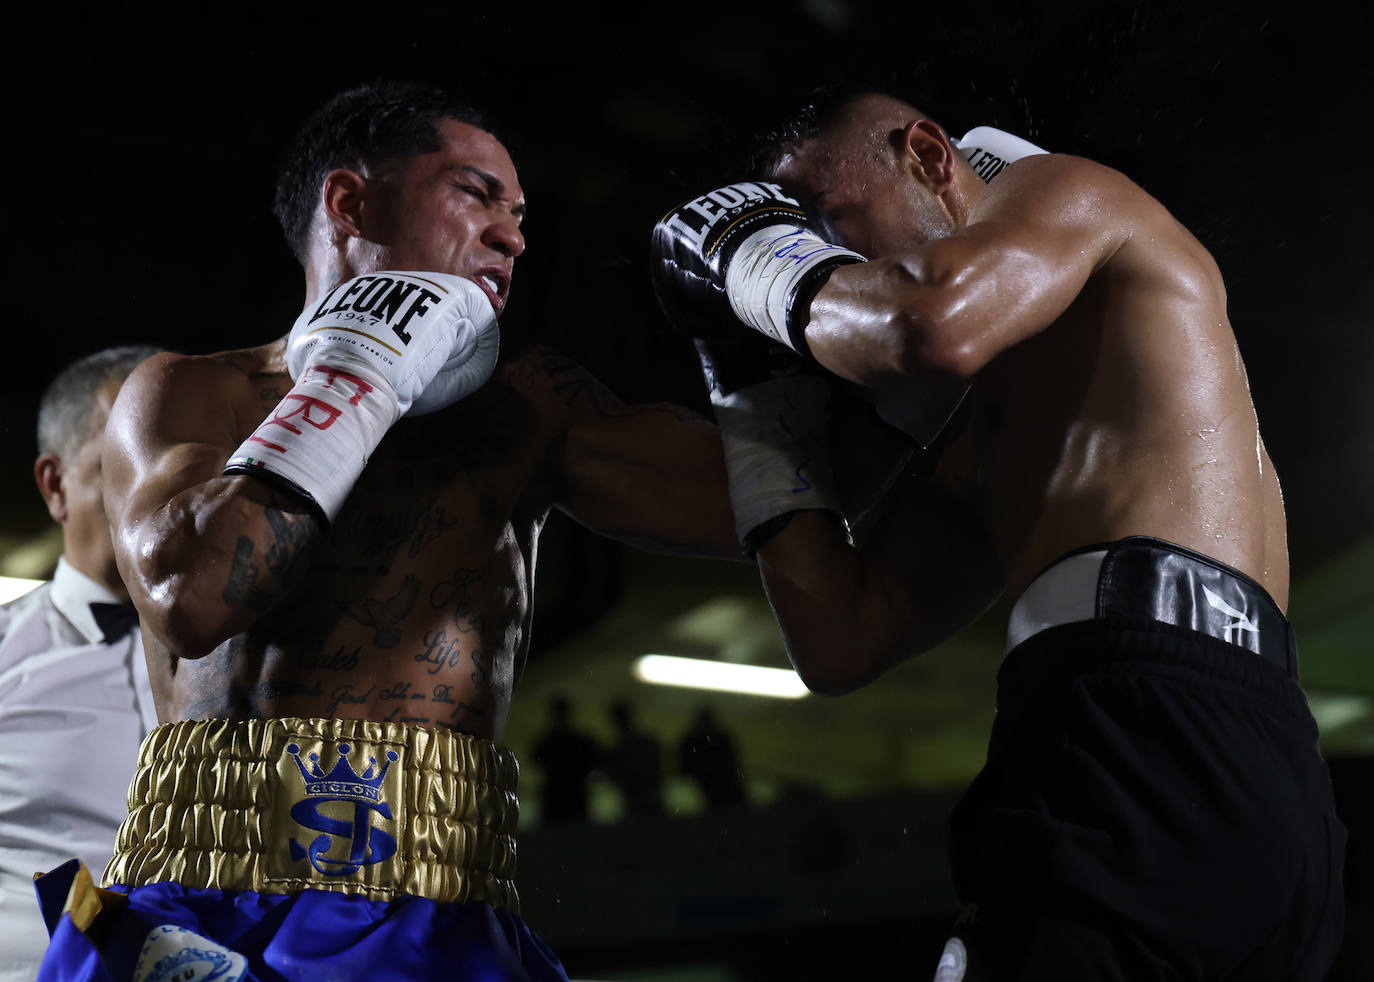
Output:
x=650 y=475
x=203 y=555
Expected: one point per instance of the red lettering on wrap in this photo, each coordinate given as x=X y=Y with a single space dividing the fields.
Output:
x=306 y=409
x=298 y=408
x=332 y=374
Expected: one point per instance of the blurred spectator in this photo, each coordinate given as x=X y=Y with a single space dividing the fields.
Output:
x=567 y=757
x=634 y=764
x=707 y=754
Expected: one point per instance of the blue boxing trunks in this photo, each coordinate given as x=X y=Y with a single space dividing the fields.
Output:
x=1153 y=805
x=304 y=849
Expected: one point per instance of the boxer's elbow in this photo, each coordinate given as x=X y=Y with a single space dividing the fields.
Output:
x=180 y=597
x=187 y=618
x=825 y=680
x=932 y=335
x=841 y=668
x=183 y=639
x=922 y=327
x=917 y=352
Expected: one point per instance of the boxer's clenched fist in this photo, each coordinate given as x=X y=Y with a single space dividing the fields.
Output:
x=746 y=254
x=431 y=338
x=371 y=350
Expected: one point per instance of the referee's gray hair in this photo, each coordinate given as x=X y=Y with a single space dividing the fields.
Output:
x=64 y=412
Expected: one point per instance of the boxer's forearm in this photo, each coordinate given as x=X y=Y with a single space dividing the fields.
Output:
x=844 y=620
x=849 y=614
x=894 y=317
x=210 y=562
x=651 y=476
x=954 y=303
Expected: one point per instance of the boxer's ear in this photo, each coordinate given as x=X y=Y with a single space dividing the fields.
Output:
x=47 y=474
x=343 y=201
x=927 y=150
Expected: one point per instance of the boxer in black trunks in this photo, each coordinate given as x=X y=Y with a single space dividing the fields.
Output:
x=1153 y=805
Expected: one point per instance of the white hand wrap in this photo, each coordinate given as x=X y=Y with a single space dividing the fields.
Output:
x=767 y=273
x=774 y=435
x=319 y=437
x=374 y=348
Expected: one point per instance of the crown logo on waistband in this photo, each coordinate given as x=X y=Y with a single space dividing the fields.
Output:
x=342 y=790
x=343 y=781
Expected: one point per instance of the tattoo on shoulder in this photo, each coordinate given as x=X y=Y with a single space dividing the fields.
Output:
x=249 y=361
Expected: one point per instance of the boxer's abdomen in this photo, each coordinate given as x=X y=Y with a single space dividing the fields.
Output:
x=413 y=608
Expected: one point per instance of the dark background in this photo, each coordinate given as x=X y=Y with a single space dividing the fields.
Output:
x=142 y=153
x=142 y=157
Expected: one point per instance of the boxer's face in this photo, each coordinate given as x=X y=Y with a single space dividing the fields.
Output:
x=457 y=210
x=867 y=182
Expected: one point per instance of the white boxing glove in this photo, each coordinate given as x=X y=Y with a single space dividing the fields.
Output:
x=375 y=348
x=432 y=336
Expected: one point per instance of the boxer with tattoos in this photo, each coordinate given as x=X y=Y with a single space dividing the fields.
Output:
x=331 y=542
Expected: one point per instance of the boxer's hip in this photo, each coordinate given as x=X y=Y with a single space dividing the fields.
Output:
x=1152 y=776
x=354 y=806
x=1141 y=579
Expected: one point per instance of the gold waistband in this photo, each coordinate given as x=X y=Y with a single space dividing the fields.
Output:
x=355 y=806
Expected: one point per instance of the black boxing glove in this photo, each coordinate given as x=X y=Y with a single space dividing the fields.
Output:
x=747 y=254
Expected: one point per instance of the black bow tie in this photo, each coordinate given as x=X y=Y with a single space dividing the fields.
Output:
x=114 y=620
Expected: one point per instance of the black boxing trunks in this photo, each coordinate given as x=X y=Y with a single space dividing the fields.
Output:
x=304 y=849
x=1153 y=805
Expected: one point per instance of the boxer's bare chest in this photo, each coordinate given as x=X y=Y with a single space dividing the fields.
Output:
x=414 y=606
x=1126 y=416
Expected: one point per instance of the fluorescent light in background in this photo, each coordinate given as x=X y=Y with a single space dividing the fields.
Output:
x=1333 y=711
x=698 y=673
x=13 y=587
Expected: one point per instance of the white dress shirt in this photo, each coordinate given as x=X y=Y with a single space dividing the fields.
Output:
x=73 y=711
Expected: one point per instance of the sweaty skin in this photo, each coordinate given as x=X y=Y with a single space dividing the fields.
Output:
x=1108 y=394
x=415 y=605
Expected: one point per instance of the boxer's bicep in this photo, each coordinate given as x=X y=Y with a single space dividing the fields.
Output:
x=953 y=304
x=163 y=437
x=202 y=554
x=652 y=476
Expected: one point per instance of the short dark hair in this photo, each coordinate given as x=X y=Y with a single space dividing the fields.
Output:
x=359 y=127
x=809 y=119
x=64 y=411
